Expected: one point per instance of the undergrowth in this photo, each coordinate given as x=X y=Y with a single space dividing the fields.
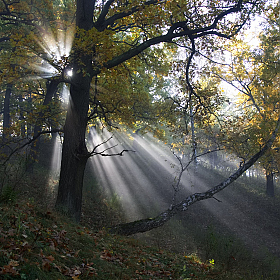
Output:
x=43 y=245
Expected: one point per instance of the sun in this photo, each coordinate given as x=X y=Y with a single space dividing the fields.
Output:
x=69 y=72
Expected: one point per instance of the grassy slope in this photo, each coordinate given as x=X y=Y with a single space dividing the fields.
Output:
x=42 y=245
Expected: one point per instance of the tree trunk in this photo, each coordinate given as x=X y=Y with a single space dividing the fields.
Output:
x=6 y=115
x=28 y=125
x=194 y=145
x=51 y=86
x=21 y=117
x=269 y=183
x=74 y=150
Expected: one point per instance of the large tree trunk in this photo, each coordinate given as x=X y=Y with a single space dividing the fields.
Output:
x=74 y=150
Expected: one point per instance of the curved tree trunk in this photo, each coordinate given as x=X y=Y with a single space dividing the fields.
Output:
x=151 y=223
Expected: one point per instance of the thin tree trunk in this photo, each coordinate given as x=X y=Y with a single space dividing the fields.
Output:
x=51 y=86
x=194 y=154
x=28 y=125
x=21 y=117
x=6 y=115
x=269 y=183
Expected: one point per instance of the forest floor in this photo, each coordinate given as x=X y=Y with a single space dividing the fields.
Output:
x=241 y=223
x=248 y=213
x=244 y=210
x=36 y=243
x=39 y=244
x=238 y=232
x=143 y=183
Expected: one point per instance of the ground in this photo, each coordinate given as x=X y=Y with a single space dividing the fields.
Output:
x=241 y=218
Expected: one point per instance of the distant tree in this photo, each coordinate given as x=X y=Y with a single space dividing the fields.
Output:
x=255 y=74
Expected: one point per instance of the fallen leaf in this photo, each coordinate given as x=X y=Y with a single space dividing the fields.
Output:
x=50 y=258
x=46 y=266
x=13 y=263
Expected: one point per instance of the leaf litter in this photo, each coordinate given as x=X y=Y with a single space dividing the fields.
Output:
x=42 y=245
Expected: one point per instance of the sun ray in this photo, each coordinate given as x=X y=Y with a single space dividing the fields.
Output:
x=55 y=48
x=143 y=180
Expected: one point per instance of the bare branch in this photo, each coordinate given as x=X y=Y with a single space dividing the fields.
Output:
x=115 y=154
x=172 y=34
x=34 y=138
x=103 y=154
x=101 y=24
x=183 y=168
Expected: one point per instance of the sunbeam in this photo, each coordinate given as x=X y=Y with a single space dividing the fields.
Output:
x=65 y=94
x=142 y=179
x=56 y=157
x=56 y=47
x=55 y=162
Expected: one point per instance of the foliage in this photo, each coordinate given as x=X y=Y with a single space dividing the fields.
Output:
x=8 y=194
x=252 y=72
x=35 y=37
x=37 y=243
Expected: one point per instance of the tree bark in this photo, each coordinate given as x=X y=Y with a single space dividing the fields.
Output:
x=21 y=117
x=51 y=86
x=269 y=183
x=74 y=150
